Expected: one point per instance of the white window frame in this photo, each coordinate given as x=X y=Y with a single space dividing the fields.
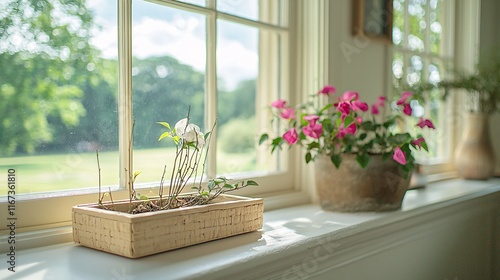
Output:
x=51 y=211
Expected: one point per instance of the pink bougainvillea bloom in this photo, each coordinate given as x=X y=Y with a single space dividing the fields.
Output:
x=312 y=119
x=291 y=136
x=422 y=123
x=327 y=90
x=407 y=109
x=381 y=101
x=344 y=107
x=399 y=156
x=403 y=98
x=359 y=105
x=288 y=113
x=313 y=130
x=350 y=96
x=280 y=104
x=351 y=129
x=418 y=142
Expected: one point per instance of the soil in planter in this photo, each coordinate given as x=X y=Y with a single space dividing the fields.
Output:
x=152 y=205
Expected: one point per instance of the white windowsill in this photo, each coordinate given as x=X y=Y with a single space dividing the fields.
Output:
x=286 y=233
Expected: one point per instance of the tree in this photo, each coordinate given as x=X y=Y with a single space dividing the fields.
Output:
x=45 y=57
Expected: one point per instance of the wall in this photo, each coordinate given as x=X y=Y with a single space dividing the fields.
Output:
x=356 y=63
x=490 y=41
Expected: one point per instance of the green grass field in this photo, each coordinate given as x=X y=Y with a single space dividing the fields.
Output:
x=72 y=171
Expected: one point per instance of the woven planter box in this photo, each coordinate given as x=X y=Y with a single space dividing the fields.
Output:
x=139 y=235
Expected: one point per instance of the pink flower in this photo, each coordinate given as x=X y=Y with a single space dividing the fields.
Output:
x=291 y=136
x=327 y=90
x=359 y=105
x=422 y=123
x=313 y=130
x=399 y=156
x=344 y=107
x=381 y=101
x=351 y=129
x=288 y=113
x=418 y=142
x=280 y=104
x=359 y=120
x=403 y=98
x=407 y=109
x=312 y=119
x=350 y=96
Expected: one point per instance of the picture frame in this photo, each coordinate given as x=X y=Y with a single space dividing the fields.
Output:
x=373 y=19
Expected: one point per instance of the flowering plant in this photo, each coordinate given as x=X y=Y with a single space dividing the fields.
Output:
x=191 y=152
x=348 y=126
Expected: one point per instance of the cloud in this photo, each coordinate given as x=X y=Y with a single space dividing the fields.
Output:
x=184 y=39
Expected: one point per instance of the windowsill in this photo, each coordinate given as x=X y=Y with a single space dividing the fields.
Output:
x=286 y=232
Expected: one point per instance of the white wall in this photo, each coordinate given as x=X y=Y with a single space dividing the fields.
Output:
x=356 y=63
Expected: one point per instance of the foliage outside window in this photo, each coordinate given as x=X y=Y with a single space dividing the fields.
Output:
x=59 y=94
x=423 y=53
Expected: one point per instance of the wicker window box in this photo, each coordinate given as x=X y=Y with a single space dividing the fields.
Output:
x=139 y=235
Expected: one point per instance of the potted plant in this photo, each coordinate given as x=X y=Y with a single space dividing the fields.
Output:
x=474 y=156
x=142 y=225
x=362 y=163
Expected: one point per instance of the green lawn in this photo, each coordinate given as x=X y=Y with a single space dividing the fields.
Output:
x=72 y=171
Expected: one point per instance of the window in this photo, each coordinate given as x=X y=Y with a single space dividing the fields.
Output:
x=78 y=87
x=423 y=52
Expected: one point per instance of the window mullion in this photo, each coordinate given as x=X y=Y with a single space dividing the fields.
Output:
x=125 y=122
x=211 y=88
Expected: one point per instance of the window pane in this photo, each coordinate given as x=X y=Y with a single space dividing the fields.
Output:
x=168 y=49
x=240 y=82
x=247 y=9
x=268 y=11
x=411 y=68
x=58 y=93
x=435 y=36
x=195 y=2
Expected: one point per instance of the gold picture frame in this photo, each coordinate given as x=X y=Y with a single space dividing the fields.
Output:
x=373 y=19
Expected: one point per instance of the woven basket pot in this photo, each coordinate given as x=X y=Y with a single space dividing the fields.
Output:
x=139 y=235
x=378 y=187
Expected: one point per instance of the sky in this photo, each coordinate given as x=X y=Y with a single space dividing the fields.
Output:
x=159 y=30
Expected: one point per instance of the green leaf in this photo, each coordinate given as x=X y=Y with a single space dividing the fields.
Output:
x=336 y=160
x=263 y=138
x=164 y=134
x=252 y=183
x=308 y=157
x=424 y=146
x=338 y=122
x=177 y=139
x=165 y=124
x=206 y=135
x=137 y=173
x=313 y=145
x=362 y=136
x=363 y=160
x=348 y=121
x=143 y=197
x=229 y=186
